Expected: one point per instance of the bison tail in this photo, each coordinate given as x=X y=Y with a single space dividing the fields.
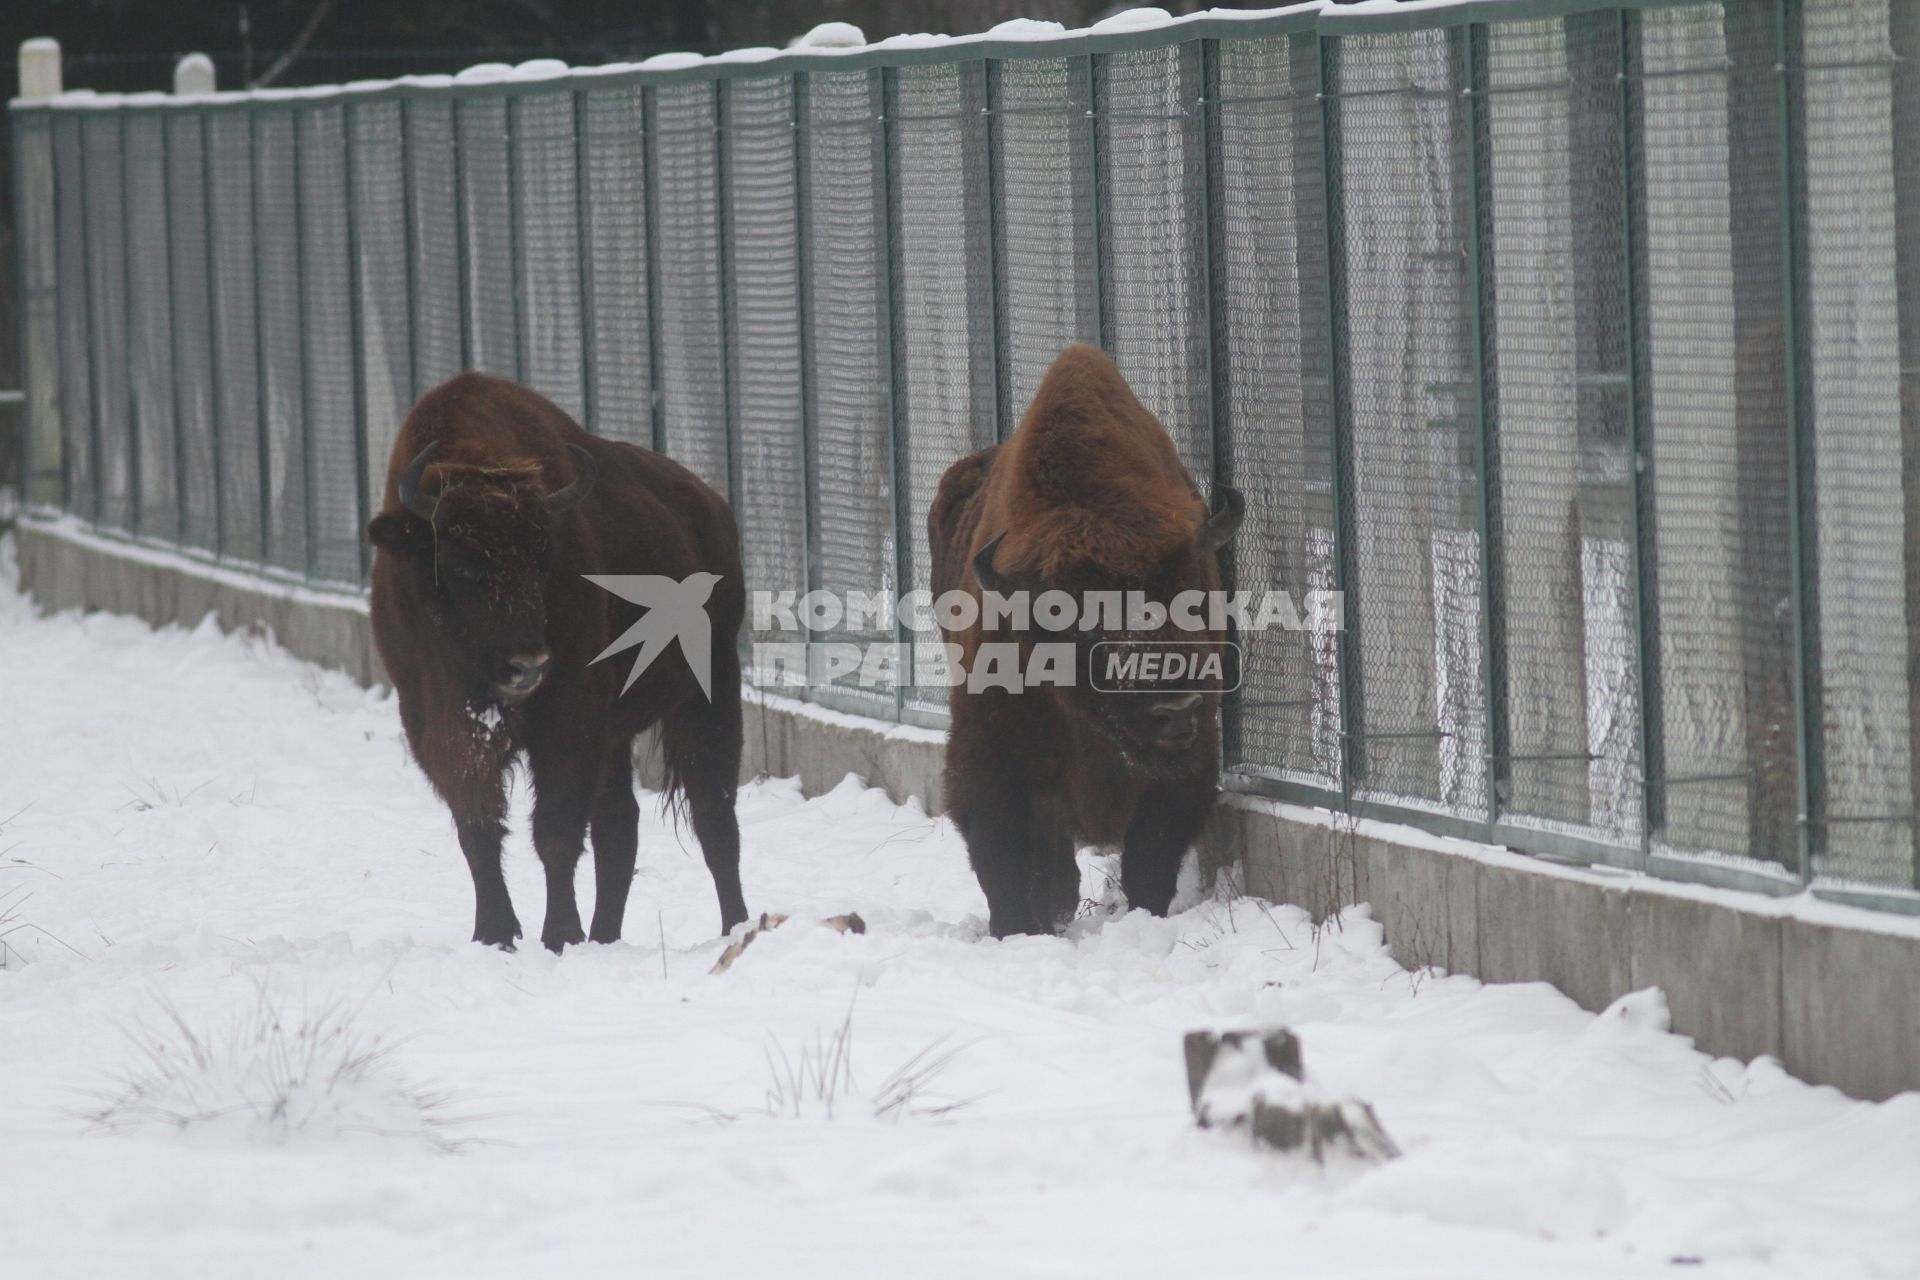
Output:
x=671 y=774
x=700 y=757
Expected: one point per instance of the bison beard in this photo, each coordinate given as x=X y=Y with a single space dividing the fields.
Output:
x=496 y=503
x=1087 y=495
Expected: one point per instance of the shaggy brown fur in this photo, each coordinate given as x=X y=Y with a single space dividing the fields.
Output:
x=495 y=575
x=1091 y=496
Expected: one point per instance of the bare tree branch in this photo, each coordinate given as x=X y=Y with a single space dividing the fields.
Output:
x=298 y=46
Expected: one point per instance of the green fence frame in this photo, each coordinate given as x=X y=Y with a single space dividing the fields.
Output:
x=1087 y=58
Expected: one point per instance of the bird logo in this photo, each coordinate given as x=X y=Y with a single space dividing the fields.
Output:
x=675 y=610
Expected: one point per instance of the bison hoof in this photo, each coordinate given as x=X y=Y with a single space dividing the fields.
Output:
x=502 y=935
x=558 y=940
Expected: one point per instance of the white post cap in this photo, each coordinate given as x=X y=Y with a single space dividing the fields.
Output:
x=193 y=74
x=40 y=68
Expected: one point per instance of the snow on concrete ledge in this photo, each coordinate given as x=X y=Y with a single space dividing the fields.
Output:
x=72 y=529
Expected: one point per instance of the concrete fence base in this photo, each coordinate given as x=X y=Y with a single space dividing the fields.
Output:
x=1831 y=990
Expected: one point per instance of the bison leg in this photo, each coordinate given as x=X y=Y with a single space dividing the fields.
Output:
x=997 y=821
x=1054 y=891
x=563 y=792
x=616 y=843
x=1164 y=826
x=702 y=743
x=494 y=922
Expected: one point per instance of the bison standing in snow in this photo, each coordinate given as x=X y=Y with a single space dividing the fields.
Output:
x=1087 y=496
x=496 y=504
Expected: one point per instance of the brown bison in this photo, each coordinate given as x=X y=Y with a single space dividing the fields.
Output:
x=1087 y=496
x=496 y=505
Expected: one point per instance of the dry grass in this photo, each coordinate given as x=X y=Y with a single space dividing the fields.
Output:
x=11 y=925
x=819 y=1079
x=274 y=1074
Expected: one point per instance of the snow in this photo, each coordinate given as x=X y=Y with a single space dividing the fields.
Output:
x=484 y=73
x=539 y=69
x=1027 y=29
x=1135 y=20
x=912 y=40
x=671 y=61
x=753 y=53
x=831 y=35
x=197 y=823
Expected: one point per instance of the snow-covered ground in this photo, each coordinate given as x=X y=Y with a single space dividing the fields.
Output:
x=195 y=826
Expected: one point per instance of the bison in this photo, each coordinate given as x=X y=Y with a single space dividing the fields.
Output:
x=1087 y=496
x=496 y=505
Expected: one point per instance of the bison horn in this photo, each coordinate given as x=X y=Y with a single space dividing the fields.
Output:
x=410 y=495
x=582 y=485
x=1228 y=508
x=989 y=578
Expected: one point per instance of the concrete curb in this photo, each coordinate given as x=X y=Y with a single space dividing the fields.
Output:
x=1833 y=991
x=63 y=565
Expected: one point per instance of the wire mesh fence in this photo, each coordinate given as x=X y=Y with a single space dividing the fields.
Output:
x=1576 y=345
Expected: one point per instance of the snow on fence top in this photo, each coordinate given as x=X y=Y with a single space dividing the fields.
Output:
x=842 y=45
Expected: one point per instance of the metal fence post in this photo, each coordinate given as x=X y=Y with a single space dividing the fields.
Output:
x=463 y=247
x=803 y=304
x=216 y=402
x=516 y=237
x=1803 y=566
x=89 y=273
x=134 y=512
x=1094 y=204
x=356 y=327
x=997 y=294
x=723 y=240
x=1219 y=433
x=264 y=452
x=173 y=328
x=22 y=323
x=887 y=86
x=1345 y=576
x=1640 y=477
x=583 y=264
x=650 y=202
x=1492 y=629
x=409 y=215
x=307 y=468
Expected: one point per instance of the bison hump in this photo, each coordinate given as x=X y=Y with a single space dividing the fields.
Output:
x=1091 y=474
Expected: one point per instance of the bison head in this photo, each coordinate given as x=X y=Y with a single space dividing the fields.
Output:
x=1154 y=720
x=479 y=548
